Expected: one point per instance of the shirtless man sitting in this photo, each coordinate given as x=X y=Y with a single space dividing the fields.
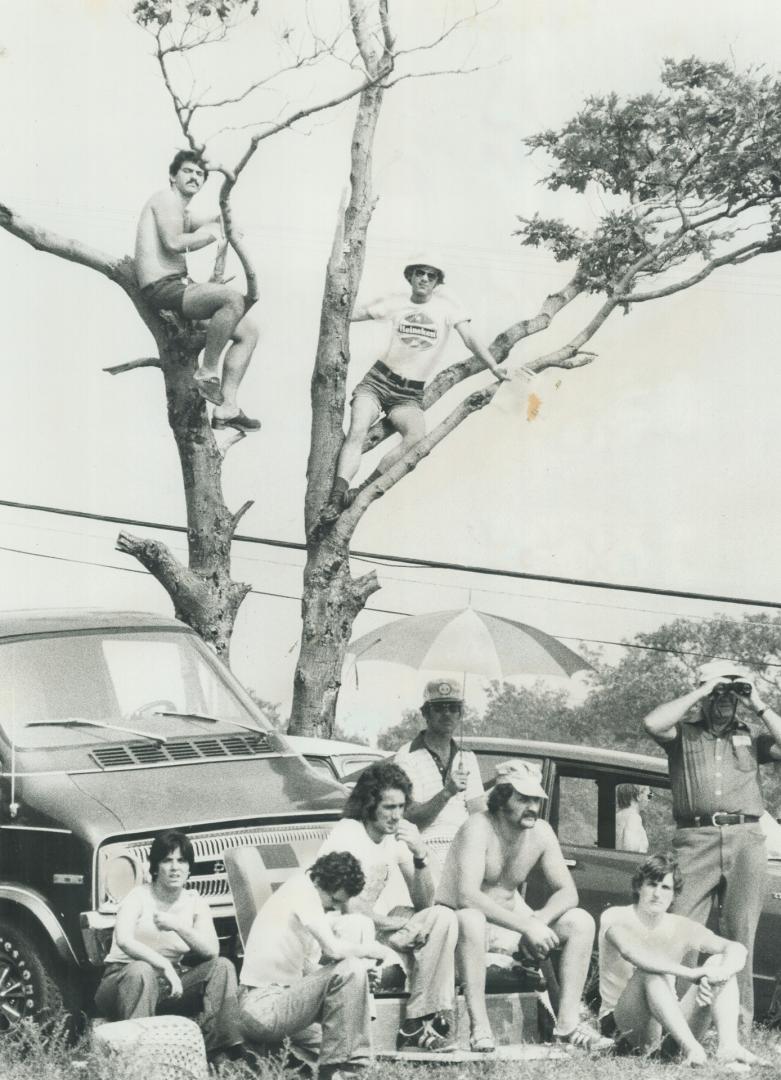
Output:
x=641 y=948
x=490 y=859
x=164 y=236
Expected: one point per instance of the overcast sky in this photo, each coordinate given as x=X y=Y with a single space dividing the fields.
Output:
x=655 y=465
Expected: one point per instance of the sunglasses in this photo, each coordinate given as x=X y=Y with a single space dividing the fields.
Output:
x=429 y=275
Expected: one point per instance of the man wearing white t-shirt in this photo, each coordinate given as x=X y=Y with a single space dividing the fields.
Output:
x=641 y=952
x=286 y=993
x=446 y=782
x=373 y=828
x=419 y=328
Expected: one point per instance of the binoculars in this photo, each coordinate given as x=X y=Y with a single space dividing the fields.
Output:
x=733 y=686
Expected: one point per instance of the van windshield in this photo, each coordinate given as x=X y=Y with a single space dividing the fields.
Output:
x=120 y=677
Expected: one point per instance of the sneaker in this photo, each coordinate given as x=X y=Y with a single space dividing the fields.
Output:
x=584 y=1038
x=427 y=1036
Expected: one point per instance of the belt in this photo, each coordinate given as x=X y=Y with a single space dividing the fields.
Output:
x=719 y=818
x=411 y=384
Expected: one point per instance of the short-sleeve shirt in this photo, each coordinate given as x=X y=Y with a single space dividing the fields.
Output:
x=187 y=907
x=418 y=332
x=427 y=776
x=716 y=772
x=672 y=940
x=379 y=862
x=280 y=947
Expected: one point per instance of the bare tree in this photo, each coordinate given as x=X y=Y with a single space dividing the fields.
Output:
x=693 y=174
x=356 y=57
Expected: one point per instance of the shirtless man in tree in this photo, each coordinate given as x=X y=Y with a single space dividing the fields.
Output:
x=490 y=859
x=419 y=326
x=164 y=236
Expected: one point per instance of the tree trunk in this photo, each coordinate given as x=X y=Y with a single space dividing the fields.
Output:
x=332 y=598
x=202 y=593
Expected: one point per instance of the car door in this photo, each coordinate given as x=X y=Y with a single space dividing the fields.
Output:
x=582 y=809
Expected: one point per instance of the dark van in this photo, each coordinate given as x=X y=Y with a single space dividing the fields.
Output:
x=114 y=726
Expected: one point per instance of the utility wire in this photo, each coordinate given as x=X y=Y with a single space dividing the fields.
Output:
x=437 y=564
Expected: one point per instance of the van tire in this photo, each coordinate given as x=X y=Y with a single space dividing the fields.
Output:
x=30 y=983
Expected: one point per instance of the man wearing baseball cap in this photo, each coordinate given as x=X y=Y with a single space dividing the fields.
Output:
x=446 y=782
x=490 y=859
x=714 y=759
x=419 y=326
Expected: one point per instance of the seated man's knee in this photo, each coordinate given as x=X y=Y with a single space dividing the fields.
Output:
x=471 y=924
x=139 y=971
x=575 y=923
x=351 y=969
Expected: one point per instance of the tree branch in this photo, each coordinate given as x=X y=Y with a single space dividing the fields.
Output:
x=116 y=269
x=131 y=365
x=743 y=254
x=500 y=347
x=241 y=512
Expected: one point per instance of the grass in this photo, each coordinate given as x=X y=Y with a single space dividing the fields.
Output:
x=29 y=1053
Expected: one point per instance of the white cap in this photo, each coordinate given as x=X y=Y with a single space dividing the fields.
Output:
x=723 y=669
x=524 y=777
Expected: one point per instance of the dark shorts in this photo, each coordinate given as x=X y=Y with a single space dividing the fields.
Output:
x=166 y=293
x=389 y=390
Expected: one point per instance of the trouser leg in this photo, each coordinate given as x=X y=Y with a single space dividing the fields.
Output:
x=699 y=859
x=432 y=980
x=214 y=982
x=337 y=996
x=128 y=991
x=745 y=873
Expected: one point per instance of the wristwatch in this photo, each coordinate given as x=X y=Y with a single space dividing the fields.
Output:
x=420 y=861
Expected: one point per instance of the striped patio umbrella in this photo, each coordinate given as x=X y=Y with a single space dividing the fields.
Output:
x=473 y=642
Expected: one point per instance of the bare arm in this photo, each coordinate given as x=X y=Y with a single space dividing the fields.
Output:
x=664 y=719
x=564 y=894
x=338 y=948
x=646 y=959
x=730 y=956
x=172 y=228
x=381 y=922
x=419 y=880
x=360 y=313
x=480 y=350
x=201 y=936
x=769 y=718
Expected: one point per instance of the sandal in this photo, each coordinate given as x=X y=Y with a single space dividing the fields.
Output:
x=208 y=386
x=584 y=1038
x=482 y=1044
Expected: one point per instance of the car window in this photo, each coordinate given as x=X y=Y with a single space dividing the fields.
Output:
x=643 y=816
x=320 y=765
x=347 y=764
x=578 y=811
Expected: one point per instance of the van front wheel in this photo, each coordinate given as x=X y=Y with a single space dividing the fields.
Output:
x=28 y=988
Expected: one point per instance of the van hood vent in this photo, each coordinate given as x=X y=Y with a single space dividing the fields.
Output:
x=202 y=748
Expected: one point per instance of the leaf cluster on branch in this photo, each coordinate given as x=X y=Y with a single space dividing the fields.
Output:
x=686 y=168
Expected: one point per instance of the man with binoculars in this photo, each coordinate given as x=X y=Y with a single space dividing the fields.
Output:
x=714 y=760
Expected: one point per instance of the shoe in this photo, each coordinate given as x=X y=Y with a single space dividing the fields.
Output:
x=425 y=1037
x=332 y=508
x=240 y=421
x=482 y=1044
x=584 y=1038
x=208 y=386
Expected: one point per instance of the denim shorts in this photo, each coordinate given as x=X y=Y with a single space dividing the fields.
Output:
x=166 y=293
x=389 y=390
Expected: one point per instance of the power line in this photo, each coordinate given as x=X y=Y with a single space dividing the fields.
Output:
x=437 y=564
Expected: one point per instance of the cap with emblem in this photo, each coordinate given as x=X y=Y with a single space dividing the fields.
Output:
x=442 y=690
x=525 y=778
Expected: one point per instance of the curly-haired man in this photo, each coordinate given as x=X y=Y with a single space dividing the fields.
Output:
x=286 y=993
